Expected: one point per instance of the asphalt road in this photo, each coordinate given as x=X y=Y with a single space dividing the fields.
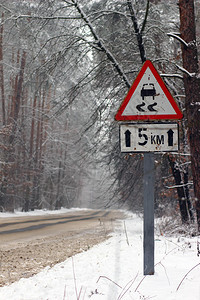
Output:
x=29 y=244
x=31 y=227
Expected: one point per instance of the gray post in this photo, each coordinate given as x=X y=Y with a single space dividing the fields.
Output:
x=149 y=213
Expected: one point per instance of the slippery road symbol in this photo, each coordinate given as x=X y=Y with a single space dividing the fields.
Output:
x=151 y=106
x=148 y=90
x=148 y=98
x=140 y=107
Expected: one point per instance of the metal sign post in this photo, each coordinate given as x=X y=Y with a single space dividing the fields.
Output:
x=148 y=242
x=148 y=138
x=148 y=100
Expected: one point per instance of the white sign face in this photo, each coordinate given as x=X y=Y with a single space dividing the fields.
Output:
x=150 y=137
x=148 y=98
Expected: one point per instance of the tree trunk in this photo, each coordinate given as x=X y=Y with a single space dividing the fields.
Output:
x=58 y=196
x=8 y=187
x=182 y=191
x=192 y=91
x=2 y=76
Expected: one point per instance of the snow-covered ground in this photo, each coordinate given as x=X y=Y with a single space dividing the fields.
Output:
x=38 y=212
x=113 y=270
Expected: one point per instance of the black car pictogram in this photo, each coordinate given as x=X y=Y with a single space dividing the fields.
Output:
x=148 y=89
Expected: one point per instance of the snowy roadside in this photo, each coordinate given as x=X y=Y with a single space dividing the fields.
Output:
x=38 y=212
x=113 y=270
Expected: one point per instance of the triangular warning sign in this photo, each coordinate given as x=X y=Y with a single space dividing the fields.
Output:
x=148 y=98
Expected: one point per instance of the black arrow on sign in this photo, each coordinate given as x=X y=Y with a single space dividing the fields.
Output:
x=170 y=137
x=128 y=138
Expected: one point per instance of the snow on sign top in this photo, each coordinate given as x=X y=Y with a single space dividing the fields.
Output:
x=148 y=98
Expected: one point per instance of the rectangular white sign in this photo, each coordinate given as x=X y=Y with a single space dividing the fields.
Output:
x=149 y=137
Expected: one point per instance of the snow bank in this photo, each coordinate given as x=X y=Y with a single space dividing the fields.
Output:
x=37 y=212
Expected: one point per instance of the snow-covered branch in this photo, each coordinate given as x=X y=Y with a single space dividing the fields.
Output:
x=138 y=32
x=6 y=8
x=100 y=43
x=46 y=18
x=101 y=13
x=172 y=75
x=185 y=71
x=177 y=37
x=145 y=18
x=179 y=185
x=176 y=153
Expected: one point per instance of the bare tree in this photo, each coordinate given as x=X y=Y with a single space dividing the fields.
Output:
x=90 y=66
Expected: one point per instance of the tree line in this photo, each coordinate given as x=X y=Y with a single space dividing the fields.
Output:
x=65 y=68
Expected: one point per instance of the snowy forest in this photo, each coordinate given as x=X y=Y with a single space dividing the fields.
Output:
x=65 y=68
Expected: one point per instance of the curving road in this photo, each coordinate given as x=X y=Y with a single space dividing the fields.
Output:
x=28 y=244
x=33 y=226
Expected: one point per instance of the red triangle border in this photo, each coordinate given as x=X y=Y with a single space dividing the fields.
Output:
x=177 y=116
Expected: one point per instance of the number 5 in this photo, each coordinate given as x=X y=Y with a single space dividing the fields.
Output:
x=142 y=136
